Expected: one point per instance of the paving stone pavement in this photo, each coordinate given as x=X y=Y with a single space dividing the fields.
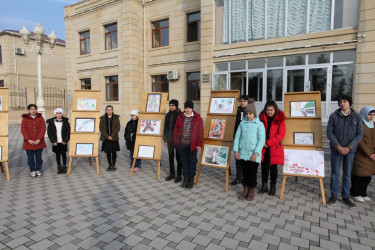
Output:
x=112 y=211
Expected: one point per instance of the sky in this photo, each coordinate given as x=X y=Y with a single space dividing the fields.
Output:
x=50 y=13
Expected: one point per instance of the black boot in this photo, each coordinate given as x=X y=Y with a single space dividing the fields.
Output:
x=63 y=169
x=185 y=182
x=113 y=167
x=59 y=170
x=170 y=177
x=178 y=179
x=109 y=168
x=264 y=188
x=272 y=189
x=190 y=182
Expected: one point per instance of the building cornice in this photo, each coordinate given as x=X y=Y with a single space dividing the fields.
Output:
x=93 y=8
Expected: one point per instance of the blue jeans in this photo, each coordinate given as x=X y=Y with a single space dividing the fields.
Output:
x=188 y=160
x=34 y=159
x=347 y=164
x=137 y=162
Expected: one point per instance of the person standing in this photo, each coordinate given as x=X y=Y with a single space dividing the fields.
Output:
x=247 y=147
x=130 y=135
x=364 y=157
x=188 y=137
x=244 y=101
x=273 y=120
x=33 y=129
x=59 y=134
x=109 y=127
x=170 y=122
x=345 y=131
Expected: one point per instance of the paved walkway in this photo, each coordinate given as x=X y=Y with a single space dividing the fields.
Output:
x=112 y=211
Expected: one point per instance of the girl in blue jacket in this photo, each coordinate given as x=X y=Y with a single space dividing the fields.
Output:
x=247 y=147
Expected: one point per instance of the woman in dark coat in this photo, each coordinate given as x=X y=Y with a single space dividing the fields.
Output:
x=364 y=158
x=130 y=134
x=109 y=127
x=273 y=151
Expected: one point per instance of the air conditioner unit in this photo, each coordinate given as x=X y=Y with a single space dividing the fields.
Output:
x=20 y=51
x=173 y=75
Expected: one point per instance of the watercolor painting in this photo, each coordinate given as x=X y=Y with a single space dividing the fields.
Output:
x=84 y=149
x=85 y=125
x=153 y=103
x=222 y=105
x=150 y=127
x=86 y=104
x=217 y=129
x=215 y=155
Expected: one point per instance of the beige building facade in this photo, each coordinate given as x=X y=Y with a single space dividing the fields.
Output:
x=19 y=72
x=189 y=47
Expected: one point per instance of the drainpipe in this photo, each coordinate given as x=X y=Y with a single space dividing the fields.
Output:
x=15 y=70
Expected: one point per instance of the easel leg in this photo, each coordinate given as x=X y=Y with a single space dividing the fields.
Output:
x=322 y=190
x=90 y=162
x=132 y=170
x=1 y=166
x=70 y=165
x=159 y=170
x=230 y=172
x=7 y=170
x=97 y=164
x=283 y=188
x=198 y=174
x=227 y=180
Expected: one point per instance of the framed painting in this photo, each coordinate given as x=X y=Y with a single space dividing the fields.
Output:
x=216 y=156
x=146 y=151
x=153 y=103
x=303 y=109
x=303 y=138
x=222 y=105
x=84 y=125
x=86 y=104
x=84 y=148
x=150 y=127
x=217 y=129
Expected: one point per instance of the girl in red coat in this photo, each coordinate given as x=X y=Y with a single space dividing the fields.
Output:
x=273 y=151
x=33 y=129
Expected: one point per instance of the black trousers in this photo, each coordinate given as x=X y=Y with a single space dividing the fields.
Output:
x=269 y=169
x=188 y=159
x=359 y=185
x=60 y=151
x=112 y=156
x=171 y=149
x=249 y=171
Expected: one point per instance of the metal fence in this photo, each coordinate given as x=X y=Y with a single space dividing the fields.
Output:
x=53 y=97
x=18 y=97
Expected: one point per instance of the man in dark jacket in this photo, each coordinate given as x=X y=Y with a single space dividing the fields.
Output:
x=170 y=122
x=244 y=101
x=345 y=131
x=188 y=137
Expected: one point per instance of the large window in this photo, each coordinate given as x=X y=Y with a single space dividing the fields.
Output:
x=160 y=33
x=193 y=86
x=86 y=83
x=111 y=36
x=247 y=20
x=111 y=86
x=1 y=83
x=160 y=83
x=194 y=27
x=84 y=42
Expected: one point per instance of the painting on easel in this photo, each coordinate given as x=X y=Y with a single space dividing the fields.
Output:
x=153 y=103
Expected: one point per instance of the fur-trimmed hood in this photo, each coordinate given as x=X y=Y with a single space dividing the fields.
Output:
x=279 y=118
x=28 y=116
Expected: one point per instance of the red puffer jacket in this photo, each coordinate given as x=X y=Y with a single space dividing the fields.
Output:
x=196 y=138
x=277 y=134
x=33 y=129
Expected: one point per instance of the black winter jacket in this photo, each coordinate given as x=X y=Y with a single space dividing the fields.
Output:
x=169 y=123
x=130 y=134
x=238 y=119
x=65 y=130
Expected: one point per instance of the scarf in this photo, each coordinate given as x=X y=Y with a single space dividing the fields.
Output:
x=364 y=112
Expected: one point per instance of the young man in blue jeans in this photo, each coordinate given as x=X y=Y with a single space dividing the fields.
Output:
x=345 y=131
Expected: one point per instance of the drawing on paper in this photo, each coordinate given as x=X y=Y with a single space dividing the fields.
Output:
x=303 y=109
x=215 y=155
x=153 y=103
x=303 y=138
x=146 y=151
x=222 y=105
x=84 y=149
x=86 y=104
x=304 y=162
x=217 y=129
x=85 y=125
x=150 y=127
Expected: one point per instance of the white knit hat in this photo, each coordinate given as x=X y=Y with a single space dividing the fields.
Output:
x=134 y=112
x=58 y=110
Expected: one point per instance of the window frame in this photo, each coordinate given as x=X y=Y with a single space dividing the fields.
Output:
x=197 y=86
x=153 y=30
x=86 y=85
x=111 y=36
x=112 y=92
x=159 y=83
x=1 y=55
x=198 y=26
x=86 y=40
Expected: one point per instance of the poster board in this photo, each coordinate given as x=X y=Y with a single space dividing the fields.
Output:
x=4 y=118
x=84 y=135
x=218 y=132
x=303 y=145
x=149 y=140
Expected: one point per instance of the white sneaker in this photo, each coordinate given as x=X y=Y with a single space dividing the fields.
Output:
x=38 y=173
x=33 y=174
x=358 y=198
x=366 y=198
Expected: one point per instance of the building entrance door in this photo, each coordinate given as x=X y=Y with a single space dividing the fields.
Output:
x=255 y=88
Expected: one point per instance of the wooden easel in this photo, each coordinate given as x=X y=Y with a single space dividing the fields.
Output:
x=4 y=95
x=85 y=137
x=228 y=134
x=303 y=124
x=148 y=139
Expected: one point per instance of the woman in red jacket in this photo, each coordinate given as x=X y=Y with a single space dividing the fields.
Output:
x=33 y=129
x=273 y=151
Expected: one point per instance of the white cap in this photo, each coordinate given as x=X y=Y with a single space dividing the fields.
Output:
x=134 y=112
x=58 y=110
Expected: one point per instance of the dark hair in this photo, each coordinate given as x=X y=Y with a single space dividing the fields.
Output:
x=345 y=97
x=31 y=105
x=245 y=97
x=189 y=104
x=270 y=103
x=108 y=106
